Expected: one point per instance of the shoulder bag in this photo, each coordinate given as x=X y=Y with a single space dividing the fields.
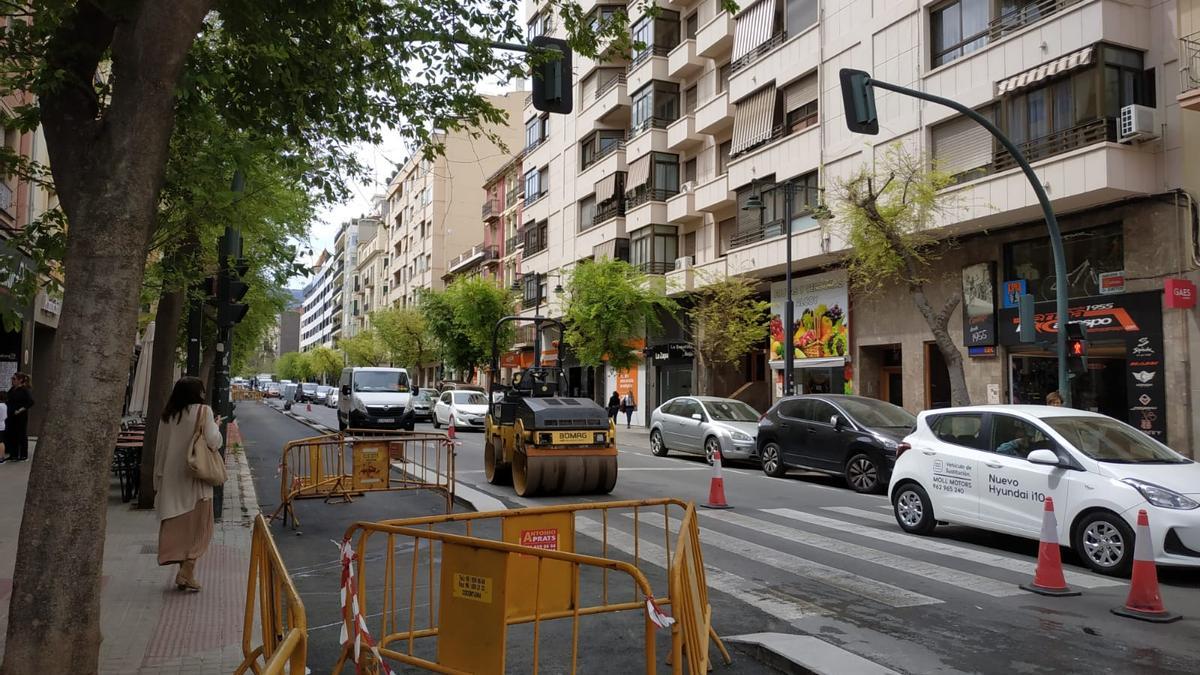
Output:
x=204 y=464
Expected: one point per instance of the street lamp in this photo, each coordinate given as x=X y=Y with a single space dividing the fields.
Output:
x=755 y=203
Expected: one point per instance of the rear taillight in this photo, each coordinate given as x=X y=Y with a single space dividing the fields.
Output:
x=900 y=448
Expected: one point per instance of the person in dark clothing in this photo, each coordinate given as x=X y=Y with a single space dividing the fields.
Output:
x=628 y=405
x=16 y=425
x=614 y=406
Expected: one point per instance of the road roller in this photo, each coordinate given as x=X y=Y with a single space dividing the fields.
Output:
x=540 y=441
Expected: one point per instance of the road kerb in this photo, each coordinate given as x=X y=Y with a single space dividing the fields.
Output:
x=807 y=655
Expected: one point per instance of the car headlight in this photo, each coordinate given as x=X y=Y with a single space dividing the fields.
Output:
x=739 y=436
x=886 y=442
x=359 y=406
x=1161 y=496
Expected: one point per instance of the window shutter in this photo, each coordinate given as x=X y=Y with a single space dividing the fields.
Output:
x=800 y=93
x=961 y=145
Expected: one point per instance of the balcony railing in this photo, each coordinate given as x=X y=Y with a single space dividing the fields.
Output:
x=651 y=123
x=651 y=50
x=612 y=208
x=490 y=208
x=530 y=147
x=777 y=132
x=758 y=52
x=6 y=195
x=608 y=86
x=512 y=243
x=531 y=198
x=1096 y=131
x=514 y=195
x=604 y=152
x=640 y=197
x=528 y=100
x=1189 y=63
x=655 y=267
x=746 y=237
x=482 y=251
x=533 y=247
x=1020 y=17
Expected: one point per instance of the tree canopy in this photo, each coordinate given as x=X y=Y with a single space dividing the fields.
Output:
x=405 y=335
x=610 y=303
x=727 y=321
x=462 y=320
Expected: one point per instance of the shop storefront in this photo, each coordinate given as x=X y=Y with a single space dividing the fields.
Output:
x=820 y=337
x=672 y=363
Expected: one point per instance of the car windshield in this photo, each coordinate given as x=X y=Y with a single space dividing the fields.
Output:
x=1107 y=440
x=380 y=381
x=309 y=387
x=426 y=395
x=872 y=413
x=324 y=389
x=470 y=398
x=731 y=411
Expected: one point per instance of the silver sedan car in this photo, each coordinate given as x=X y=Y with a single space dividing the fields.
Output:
x=704 y=425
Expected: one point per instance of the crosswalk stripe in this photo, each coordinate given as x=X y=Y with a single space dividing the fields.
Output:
x=862 y=513
x=964 y=580
x=754 y=593
x=926 y=544
x=884 y=593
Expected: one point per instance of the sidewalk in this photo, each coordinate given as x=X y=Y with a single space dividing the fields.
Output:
x=148 y=626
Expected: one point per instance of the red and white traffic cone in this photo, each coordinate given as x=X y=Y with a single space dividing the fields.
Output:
x=450 y=430
x=307 y=407
x=1048 y=579
x=1144 y=601
x=716 y=487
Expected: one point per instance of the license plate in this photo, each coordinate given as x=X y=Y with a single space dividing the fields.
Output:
x=574 y=437
x=386 y=420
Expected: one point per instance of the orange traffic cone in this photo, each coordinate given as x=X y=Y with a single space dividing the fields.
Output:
x=450 y=430
x=307 y=407
x=1048 y=578
x=1144 y=601
x=716 y=487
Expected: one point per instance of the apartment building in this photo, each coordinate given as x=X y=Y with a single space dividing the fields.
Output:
x=317 y=316
x=372 y=277
x=666 y=147
x=497 y=255
x=433 y=205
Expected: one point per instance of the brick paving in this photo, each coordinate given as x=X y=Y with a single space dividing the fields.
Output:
x=149 y=627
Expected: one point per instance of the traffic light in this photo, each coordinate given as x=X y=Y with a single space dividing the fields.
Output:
x=230 y=286
x=858 y=97
x=552 y=90
x=1077 y=343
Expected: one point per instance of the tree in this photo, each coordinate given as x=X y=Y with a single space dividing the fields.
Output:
x=462 y=319
x=610 y=303
x=324 y=363
x=727 y=321
x=405 y=335
x=886 y=214
x=365 y=348
x=106 y=80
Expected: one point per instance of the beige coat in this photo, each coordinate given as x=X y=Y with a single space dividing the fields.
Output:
x=177 y=491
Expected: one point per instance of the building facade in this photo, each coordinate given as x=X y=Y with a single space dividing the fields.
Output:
x=318 y=313
x=666 y=146
x=288 y=331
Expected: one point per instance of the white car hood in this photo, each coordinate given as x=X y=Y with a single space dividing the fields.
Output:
x=382 y=397
x=473 y=409
x=1182 y=478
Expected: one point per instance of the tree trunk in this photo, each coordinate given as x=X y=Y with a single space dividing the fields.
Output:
x=939 y=325
x=162 y=379
x=108 y=168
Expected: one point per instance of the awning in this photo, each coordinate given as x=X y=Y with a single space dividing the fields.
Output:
x=1059 y=66
x=823 y=362
x=606 y=188
x=639 y=173
x=754 y=27
x=752 y=120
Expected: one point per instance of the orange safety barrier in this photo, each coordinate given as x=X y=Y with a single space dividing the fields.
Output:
x=280 y=621
x=243 y=394
x=345 y=465
x=472 y=576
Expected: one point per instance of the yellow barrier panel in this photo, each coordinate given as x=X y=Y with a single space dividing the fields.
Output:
x=242 y=394
x=346 y=465
x=485 y=585
x=280 y=619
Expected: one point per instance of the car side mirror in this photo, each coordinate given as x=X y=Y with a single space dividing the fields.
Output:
x=1044 y=457
x=698 y=416
x=345 y=390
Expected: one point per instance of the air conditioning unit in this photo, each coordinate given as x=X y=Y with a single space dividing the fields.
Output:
x=684 y=263
x=1138 y=123
x=688 y=186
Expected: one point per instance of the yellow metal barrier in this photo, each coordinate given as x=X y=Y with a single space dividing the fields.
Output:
x=243 y=394
x=280 y=620
x=506 y=568
x=342 y=466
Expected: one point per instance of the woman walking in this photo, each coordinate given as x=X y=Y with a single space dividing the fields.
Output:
x=16 y=426
x=614 y=406
x=184 y=504
x=628 y=406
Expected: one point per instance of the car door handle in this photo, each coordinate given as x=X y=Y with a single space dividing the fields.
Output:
x=994 y=466
x=928 y=452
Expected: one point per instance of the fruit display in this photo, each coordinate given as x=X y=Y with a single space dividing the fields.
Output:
x=822 y=331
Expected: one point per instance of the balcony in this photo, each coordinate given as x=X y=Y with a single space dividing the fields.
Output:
x=512 y=244
x=757 y=53
x=613 y=208
x=1189 y=72
x=779 y=59
x=745 y=237
x=786 y=154
x=714 y=116
x=682 y=134
x=683 y=61
x=681 y=209
x=649 y=65
x=646 y=207
x=513 y=195
x=714 y=40
x=650 y=136
x=1096 y=131
x=655 y=267
x=477 y=254
x=610 y=105
x=714 y=195
x=689 y=278
x=491 y=209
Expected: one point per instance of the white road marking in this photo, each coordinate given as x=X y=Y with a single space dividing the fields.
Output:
x=902 y=538
x=751 y=592
x=662 y=468
x=884 y=593
x=964 y=580
x=861 y=513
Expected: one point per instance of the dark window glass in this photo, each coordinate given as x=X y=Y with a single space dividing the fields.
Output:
x=965 y=429
x=821 y=411
x=691 y=26
x=794 y=408
x=799 y=14
x=958 y=28
x=1014 y=437
x=1089 y=253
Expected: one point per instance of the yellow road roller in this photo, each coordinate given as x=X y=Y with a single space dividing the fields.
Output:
x=539 y=441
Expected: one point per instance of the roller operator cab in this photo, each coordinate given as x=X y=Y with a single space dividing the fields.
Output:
x=543 y=443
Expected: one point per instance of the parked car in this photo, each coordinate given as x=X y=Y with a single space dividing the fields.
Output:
x=704 y=425
x=332 y=399
x=420 y=406
x=322 y=395
x=851 y=436
x=307 y=392
x=373 y=398
x=272 y=390
x=467 y=409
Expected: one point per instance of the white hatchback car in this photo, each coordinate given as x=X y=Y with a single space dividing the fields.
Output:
x=992 y=467
x=466 y=407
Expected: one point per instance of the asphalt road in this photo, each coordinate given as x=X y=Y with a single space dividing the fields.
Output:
x=803 y=555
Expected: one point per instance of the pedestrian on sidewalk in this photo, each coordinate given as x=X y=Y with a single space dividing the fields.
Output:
x=184 y=504
x=614 y=406
x=3 y=414
x=1054 y=399
x=16 y=423
x=628 y=406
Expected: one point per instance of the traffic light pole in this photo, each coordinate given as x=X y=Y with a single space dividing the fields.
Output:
x=230 y=290
x=1056 y=243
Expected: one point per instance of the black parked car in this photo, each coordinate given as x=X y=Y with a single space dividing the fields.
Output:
x=851 y=436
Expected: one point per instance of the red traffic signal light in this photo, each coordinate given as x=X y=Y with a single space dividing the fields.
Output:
x=1077 y=348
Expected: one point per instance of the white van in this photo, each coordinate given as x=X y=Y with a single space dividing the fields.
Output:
x=373 y=398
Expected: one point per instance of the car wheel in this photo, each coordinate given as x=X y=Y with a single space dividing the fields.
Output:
x=862 y=474
x=712 y=447
x=436 y=423
x=913 y=510
x=772 y=461
x=657 y=447
x=1105 y=543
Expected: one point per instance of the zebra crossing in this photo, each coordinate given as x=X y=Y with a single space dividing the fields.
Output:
x=838 y=553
